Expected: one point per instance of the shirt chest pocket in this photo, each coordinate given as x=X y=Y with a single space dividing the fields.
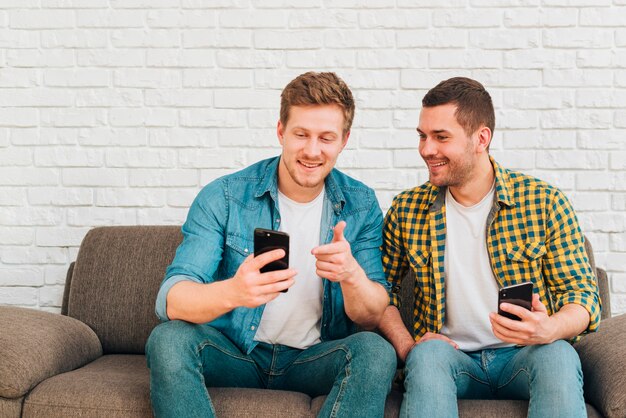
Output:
x=236 y=251
x=525 y=258
x=419 y=259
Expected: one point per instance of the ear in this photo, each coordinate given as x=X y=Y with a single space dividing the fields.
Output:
x=484 y=138
x=344 y=141
x=280 y=132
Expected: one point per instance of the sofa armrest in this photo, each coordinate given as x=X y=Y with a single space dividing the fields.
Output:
x=35 y=345
x=603 y=358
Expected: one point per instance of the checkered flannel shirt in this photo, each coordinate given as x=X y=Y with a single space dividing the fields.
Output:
x=532 y=235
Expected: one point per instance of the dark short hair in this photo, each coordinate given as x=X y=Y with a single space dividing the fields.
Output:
x=474 y=107
x=313 y=88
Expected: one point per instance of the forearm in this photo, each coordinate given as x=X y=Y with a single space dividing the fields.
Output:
x=199 y=302
x=364 y=300
x=570 y=321
x=392 y=327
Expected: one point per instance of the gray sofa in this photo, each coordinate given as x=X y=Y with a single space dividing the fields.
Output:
x=89 y=360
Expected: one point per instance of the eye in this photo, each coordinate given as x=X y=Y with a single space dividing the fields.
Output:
x=300 y=135
x=422 y=137
x=328 y=139
x=441 y=137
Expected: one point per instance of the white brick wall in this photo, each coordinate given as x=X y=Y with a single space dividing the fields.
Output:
x=117 y=112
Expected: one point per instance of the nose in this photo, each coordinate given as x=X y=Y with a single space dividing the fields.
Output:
x=427 y=148
x=312 y=148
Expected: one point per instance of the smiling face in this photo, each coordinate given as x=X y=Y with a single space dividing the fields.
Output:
x=312 y=139
x=450 y=154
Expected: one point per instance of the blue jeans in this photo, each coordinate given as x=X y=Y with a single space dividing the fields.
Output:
x=550 y=376
x=184 y=359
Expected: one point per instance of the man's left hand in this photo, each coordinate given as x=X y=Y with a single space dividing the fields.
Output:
x=535 y=327
x=334 y=260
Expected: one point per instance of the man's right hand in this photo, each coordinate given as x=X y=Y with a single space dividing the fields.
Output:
x=251 y=288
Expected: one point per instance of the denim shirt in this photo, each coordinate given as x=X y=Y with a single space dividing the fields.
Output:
x=219 y=231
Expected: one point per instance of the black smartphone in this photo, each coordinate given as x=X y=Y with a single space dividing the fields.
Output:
x=267 y=240
x=517 y=294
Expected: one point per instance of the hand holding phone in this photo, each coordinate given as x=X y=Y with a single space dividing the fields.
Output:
x=518 y=294
x=267 y=240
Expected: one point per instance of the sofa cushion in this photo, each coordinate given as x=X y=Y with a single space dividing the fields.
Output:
x=115 y=281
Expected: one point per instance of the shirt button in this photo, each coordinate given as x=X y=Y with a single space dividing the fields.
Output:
x=245 y=250
x=252 y=327
x=277 y=220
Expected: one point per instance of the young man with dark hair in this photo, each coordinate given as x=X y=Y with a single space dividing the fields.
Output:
x=473 y=228
x=229 y=325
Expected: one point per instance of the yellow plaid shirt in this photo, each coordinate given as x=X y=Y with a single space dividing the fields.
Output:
x=532 y=235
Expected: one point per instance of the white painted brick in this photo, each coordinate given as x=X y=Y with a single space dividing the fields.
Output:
x=576 y=118
x=364 y=159
x=60 y=236
x=620 y=119
x=217 y=38
x=35 y=98
x=250 y=59
x=26 y=216
x=619 y=181
x=618 y=160
x=387 y=139
x=181 y=198
x=529 y=18
x=109 y=58
x=39 y=58
x=238 y=99
x=65 y=196
x=593 y=3
x=620 y=78
x=372 y=119
x=27 y=276
x=68 y=157
x=109 y=97
x=74 y=4
x=467 y=59
x=141 y=38
x=253 y=19
x=33 y=255
x=387 y=99
x=539 y=59
x=618 y=203
x=26 y=136
x=561 y=179
x=143 y=117
x=578 y=78
x=391 y=59
x=504 y=38
x=459 y=18
x=370 y=79
x=140 y=157
x=590 y=202
x=394 y=19
x=517 y=119
x=182 y=137
x=55 y=274
x=403 y=160
x=281 y=40
x=359 y=39
x=280 y=4
x=41 y=19
x=538 y=140
x=389 y=179
x=251 y=156
x=618 y=243
x=577 y=38
x=572 y=159
x=503 y=3
x=16 y=157
x=614 y=16
x=18 y=117
x=618 y=281
x=51 y=296
x=77 y=78
x=516 y=160
x=428 y=38
x=10 y=38
x=601 y=98
x=214 y=4
x=163 y=178
x=181 y=19
x=74 y=38
x=4 y=137
x=270 y=79
x=616 y=261
x=247 y=138
x=607 y=140
x=599 y=180
x=147 y=78
x=113 y=177
x=22 y=4
x=319 y=19
x=539 y=99
x=207 y=175
x=133 y=197
x=180 y=58
x=143 y=4
x=89 y=216
x=231 y=78
x=223 y=118
x=12 y=196
x=170 y=216
x=426 y=79
x=128 y=137
x=20 y=176
x=207 y=158
x=22 y=296
x=109 y=19
x=179 y=97
x=16 y=235
x=10 y=77
x=595 y=58
x=358 y=4
x=72 y=118
x=331 y=60
x=508 y=78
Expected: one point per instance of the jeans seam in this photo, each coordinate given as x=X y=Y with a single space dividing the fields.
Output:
x=513 y=377
x=218 y=348
x=325 y=353
x=342 y=386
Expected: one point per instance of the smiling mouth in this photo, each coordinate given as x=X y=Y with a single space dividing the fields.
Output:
x=440 y=164
x=310 y=165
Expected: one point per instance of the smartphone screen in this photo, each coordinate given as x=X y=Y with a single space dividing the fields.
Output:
x=518 y=294
x=267 y=240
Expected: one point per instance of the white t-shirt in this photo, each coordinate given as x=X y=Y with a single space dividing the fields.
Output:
x=293 y=318
x=471 y=288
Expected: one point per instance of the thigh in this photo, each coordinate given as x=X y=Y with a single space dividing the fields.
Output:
x=439 y=366
x=542 y=366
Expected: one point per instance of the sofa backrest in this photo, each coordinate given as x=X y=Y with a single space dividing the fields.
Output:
x=114 y=282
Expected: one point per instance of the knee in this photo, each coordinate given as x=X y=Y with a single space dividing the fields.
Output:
x=168 y=343
x=372 y=352
x=561 y=357
x=428 y=354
